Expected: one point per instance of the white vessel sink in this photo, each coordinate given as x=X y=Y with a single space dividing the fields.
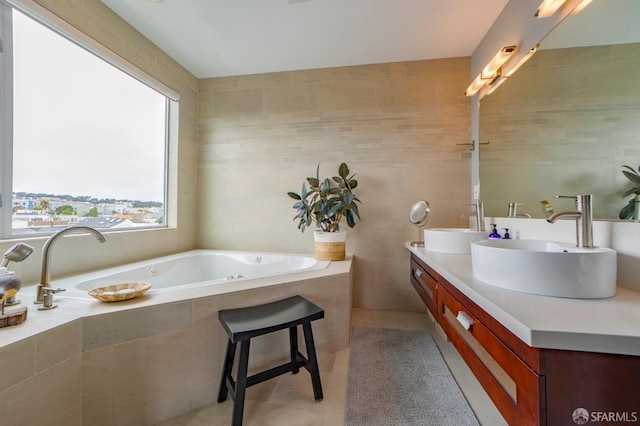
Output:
x=451 y=240
x=546 y=268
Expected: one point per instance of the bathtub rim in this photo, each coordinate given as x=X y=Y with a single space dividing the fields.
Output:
x=72 y=309
x=94 y=275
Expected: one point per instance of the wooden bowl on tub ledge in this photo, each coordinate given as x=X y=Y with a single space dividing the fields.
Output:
x=120 y=292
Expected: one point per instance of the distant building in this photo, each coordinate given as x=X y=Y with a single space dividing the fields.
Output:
x=24 y=203
x=81 y=207
x=107 y=209
x=105 y=223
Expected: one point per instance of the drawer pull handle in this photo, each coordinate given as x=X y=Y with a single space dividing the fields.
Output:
x=417 y=273
x=464 y=320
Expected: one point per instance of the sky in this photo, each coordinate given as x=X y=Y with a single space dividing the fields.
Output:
x=81 y=126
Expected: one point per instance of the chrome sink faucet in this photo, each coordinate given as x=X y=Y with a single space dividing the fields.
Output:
x=45 y=293
x=479 y=214
x=583 y=216
x=512 y=211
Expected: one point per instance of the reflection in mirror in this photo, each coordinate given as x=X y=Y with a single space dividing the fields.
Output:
x=569 y=119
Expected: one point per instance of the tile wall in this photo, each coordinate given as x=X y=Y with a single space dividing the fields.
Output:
x=397 y=125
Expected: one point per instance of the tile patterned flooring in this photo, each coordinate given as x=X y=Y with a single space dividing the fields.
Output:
x=288 y=399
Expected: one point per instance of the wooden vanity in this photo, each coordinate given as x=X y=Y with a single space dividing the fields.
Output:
x=531 y=384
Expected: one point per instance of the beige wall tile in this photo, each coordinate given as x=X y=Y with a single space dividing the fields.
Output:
x=346 y=94
x=290 y=99
x=19 y=361
x=125 y=326
x=152 y=369
x=237 y=102
x=97 y=385
x=58 y=344
x=414 y=91
x=54 y=395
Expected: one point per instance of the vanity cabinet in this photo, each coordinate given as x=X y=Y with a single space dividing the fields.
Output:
x=507 y=368
x=530 y=386
x=425 y=281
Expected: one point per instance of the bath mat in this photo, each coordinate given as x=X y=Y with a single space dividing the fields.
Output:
x=398 y=377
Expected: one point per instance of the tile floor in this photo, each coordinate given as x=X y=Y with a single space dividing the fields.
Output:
x=288 y=399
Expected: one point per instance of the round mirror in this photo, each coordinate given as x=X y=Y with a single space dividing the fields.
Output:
x=419 y=215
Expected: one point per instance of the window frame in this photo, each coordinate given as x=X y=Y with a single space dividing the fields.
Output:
x=72 y=34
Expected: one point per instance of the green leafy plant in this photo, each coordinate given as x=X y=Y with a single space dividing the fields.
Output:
x=327 y=201
x=627 y=211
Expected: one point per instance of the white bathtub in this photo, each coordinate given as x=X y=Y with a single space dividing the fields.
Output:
x=193 y=269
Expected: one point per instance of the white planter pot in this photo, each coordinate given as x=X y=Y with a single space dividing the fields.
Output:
x=330 y=245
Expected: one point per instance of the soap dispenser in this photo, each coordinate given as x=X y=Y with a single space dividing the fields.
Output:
x=506 y=234
x=494 y=232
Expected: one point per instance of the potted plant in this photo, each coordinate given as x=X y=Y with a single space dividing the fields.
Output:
x=632 y=209
x=324 y=204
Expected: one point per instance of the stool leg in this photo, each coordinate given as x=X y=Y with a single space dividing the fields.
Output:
x=226 y=370
x=293 y=344
x=313 y=361
x=241 y=383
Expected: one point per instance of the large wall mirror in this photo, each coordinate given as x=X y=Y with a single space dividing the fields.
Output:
x=569 y=119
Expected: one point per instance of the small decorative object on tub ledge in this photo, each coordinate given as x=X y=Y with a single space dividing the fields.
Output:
x=9 y=286
x=120 y=292
x=325 y=203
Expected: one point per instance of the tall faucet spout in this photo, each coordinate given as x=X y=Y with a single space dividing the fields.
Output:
x=583 y=215
x=557 y=215
x=46 y=252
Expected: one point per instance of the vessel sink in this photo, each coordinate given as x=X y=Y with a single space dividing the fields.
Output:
x=451 y=240
x=546 y=268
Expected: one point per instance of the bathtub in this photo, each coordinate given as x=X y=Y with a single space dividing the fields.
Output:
x=170 y=339
x=193 y=269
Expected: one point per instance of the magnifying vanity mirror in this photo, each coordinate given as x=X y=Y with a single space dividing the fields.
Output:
x=419 y=215
x=569 y=119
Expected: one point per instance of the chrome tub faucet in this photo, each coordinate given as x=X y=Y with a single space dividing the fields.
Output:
x=45 y=293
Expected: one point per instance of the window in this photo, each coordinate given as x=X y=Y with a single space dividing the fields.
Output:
x=89 y=140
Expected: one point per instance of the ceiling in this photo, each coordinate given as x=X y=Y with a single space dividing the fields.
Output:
x=214 y=38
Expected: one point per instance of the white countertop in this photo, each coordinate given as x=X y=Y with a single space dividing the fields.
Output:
x=595 y=325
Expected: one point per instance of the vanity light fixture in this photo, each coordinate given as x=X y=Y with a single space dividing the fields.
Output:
x=524 y=59
x=495 y=84
x=581 y=6
x=491 y=72
x=549 y=7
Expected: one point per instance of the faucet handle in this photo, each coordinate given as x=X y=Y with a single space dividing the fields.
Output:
x=54 y=290
x=48 y=298
x=584 y=199
x=575 y=197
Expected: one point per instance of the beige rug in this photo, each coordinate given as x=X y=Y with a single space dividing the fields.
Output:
x=398 y=377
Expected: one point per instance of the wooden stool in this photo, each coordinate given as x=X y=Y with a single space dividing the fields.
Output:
x=244 y=323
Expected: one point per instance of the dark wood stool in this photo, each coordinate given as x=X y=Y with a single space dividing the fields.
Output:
x=244 y=323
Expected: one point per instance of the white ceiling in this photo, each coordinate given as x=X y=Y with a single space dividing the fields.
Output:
x=213 y=38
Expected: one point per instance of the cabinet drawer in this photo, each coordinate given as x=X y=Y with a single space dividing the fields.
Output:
x=424 y=280
x=511 y=384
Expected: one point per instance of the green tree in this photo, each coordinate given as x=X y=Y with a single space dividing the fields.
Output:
x=44 y=205
x=92 y=213
x=65 y=209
